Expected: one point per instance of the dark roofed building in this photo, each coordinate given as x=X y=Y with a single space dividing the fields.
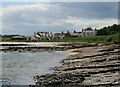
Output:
x=59 y=35
x=27 y=38
x=75 y=34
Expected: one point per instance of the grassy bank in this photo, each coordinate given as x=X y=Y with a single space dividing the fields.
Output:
x=94 y=39
x=5 y=39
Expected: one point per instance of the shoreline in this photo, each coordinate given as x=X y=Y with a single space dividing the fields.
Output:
x=32 y=46
x=71 y=52
x=68 y=47
x=86 y=66
x=34 y=43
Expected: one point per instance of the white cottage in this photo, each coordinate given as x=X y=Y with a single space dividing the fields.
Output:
x=44 y=35
x=88 y=32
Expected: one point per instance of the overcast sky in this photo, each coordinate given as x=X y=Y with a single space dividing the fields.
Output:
x=29 y=17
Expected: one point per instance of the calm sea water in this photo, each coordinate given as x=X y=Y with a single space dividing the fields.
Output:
x=18 y=68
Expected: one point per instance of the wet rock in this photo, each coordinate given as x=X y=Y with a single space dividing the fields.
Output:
x=93 y=66
x=59 y=79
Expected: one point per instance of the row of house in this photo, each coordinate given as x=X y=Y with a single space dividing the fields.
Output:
x=50 y=36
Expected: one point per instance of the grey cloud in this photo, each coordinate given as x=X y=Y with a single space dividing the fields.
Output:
x=91 y=9
x=54 y=18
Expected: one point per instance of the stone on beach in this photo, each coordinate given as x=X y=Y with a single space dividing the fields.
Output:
x=92 y=66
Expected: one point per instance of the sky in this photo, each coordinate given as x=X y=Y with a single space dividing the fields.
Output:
x=29 y=17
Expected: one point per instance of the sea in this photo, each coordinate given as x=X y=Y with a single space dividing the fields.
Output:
x=19 y=68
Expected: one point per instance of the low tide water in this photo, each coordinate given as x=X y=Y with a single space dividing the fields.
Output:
x=18 y=68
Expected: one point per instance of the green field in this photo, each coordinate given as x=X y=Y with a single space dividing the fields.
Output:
x=5 y=39
x=93 y=39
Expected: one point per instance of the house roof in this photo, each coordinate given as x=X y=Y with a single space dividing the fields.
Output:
x=43 y=32
x=59 y=34
x=21 y=37
x=75 y=34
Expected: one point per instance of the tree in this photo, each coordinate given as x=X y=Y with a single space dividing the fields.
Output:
x=109 y=30
x=88 y=28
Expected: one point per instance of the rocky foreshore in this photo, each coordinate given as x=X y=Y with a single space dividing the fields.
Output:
x=95 y=65
x=22 y=47
x=33 y=47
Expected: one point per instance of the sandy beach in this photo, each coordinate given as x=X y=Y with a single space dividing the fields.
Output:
x=71 y=52
x=34 y=43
